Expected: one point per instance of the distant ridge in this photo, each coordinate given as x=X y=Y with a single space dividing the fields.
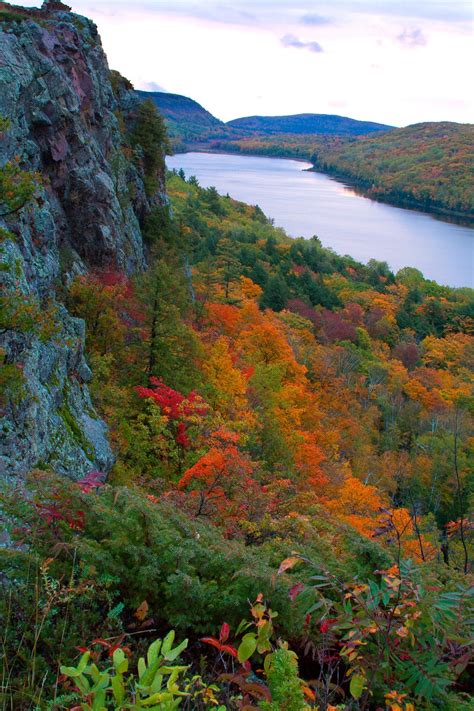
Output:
x=190 y=123
x=328 y=124
x=176 y=107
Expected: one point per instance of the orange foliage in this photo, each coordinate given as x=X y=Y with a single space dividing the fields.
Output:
x=308 y=459
x=224 y=317
x=218 y=474
x=357 y=504
x=249 y=289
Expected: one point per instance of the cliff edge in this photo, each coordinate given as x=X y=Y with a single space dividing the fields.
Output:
x=62 y=124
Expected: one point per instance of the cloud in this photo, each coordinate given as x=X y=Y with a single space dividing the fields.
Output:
x=292 y=41
x=313 y=19
x=439 y=10
x=152 y=86
x=264 y=12
x=412 y=38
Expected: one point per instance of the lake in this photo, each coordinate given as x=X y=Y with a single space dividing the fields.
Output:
x=307 y=203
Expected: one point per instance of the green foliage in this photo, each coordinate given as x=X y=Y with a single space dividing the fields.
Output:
x=75 y=431
x=171 y=350
x=149 y=136
x=119 y=82
x=12 y=381
x=155 y=686
x=159 y=227
x=17 y=186
x=285 y=686
x=8 y=16
x=347 y=391
x=275 y=294
x=4 y=124
x=135 y=542
x=26 y=314
x=398 y=632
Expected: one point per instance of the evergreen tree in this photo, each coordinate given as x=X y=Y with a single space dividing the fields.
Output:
x=275 y=294
x=150 y=135
x=228 y=264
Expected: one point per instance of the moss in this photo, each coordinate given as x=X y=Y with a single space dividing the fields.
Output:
x=12 y=383
x=118 y=82
x=121 y=122
x=54 y=380
x=44 y=465
x=79 y=24
x=9 y=16
x=6 y=235
x=75 y=431
x=66 y=258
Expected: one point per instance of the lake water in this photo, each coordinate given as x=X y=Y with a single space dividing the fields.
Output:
x=306 y=204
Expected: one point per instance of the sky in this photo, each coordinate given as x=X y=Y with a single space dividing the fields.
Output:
x=397 y=62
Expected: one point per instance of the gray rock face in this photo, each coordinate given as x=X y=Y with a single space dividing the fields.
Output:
x=56 y=93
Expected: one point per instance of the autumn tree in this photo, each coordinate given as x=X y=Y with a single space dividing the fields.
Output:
x=219 y=477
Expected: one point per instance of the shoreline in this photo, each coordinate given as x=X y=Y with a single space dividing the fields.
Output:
x=450 y=216
x=360 y=187
x=195 y=149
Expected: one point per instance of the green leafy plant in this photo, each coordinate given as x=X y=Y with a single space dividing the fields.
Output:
x=155 y=685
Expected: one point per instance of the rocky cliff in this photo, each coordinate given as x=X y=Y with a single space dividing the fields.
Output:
x=61 y=119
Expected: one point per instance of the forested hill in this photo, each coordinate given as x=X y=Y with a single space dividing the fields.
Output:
x=190 y=124
x=427 y=165
x=187 y=121
x=307 y=124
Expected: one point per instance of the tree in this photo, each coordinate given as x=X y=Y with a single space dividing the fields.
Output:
x=212 y=200
x=182 y=413
x=149 y=133
x=219 y=476
x=358 y=504
x=17 y=187
x=275 y=294
x=98 y=300
x=171 y=348
x=228 y=265
x=229 y=384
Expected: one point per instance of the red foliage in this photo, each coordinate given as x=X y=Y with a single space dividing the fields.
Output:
x=297 y=306
x=91 y=481
x=408 y=353
x=354 y=313
x=218 y=645
x=295 y=591
x=336 y=328
x=326 y=625
x=177 y=407
x=54 y=513
x=224 y=632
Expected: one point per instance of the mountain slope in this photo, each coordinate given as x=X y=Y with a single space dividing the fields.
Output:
x=177 y=108
x=307 y=124
x=188 y=121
